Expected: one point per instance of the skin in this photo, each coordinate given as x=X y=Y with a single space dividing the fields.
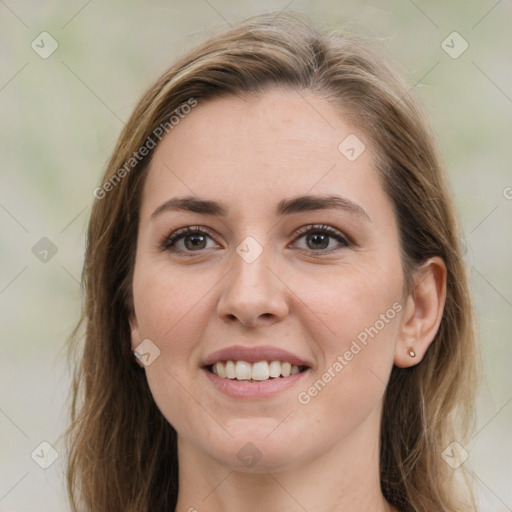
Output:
x=251 y=154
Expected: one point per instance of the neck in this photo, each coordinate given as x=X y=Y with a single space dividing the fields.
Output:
x=345 y=477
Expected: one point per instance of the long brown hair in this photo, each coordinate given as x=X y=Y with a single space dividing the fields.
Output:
x=122 y=451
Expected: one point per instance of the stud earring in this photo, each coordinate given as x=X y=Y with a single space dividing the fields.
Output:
x=138 y=359
x=412 y=353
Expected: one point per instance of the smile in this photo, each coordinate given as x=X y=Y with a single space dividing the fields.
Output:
x=254 y=372
x=258 y=371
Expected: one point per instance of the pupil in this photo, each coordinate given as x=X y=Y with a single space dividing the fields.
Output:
x=197 y=239
x=316 y=237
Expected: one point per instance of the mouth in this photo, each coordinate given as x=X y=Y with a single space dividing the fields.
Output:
x=254 y=373
x=258 y=371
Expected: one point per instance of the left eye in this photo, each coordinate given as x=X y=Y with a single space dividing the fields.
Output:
x=320 y=236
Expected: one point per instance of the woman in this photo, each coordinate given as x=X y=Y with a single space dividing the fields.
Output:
x=277 y=314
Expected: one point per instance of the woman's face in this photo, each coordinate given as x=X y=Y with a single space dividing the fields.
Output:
x=267 y=277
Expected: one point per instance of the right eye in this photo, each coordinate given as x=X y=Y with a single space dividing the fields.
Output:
x=190 y=239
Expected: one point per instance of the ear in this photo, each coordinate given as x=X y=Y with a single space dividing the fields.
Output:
x=135 y=337
x=135 y=331
x=422 y=314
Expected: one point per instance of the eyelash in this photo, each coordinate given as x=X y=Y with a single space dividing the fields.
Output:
x=169 y=242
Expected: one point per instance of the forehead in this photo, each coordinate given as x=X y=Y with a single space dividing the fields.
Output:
x=262 y=148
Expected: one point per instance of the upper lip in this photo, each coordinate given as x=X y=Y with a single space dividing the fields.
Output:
x=253 y=355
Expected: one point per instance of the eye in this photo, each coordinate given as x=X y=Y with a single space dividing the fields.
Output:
x=189 y=239
x=195 y=239
x=318 y=238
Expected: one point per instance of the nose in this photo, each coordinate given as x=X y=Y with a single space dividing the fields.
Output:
x=253 y=293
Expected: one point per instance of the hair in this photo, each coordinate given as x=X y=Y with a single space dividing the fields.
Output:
x=122 y=453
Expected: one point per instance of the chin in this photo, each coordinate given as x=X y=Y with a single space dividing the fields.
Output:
x=256 y=446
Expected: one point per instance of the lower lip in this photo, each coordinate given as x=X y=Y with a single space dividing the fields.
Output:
x=249 y=389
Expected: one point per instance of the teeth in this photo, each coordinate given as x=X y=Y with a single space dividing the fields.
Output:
x=275 y=369
x=286 y=369
x=243 y=370
x=230 y=369
x=261 y=370
x=219 y=369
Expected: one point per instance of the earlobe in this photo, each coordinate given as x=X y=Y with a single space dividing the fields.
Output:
x=422 y=314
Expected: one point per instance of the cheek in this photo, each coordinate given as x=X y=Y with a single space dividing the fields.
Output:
x=349 y=300
x=172 y=311
x=359 y=312
x=357 y=361
x=165 y=303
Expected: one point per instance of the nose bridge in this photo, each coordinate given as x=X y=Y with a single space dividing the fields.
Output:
x=252 y=289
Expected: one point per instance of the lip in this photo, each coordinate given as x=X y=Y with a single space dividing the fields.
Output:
x=253 y=355
x=253 y=389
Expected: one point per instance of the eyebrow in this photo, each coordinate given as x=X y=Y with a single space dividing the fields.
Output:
x=299 y=204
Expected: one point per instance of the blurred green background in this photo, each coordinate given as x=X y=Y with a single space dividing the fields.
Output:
x=62 y=113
